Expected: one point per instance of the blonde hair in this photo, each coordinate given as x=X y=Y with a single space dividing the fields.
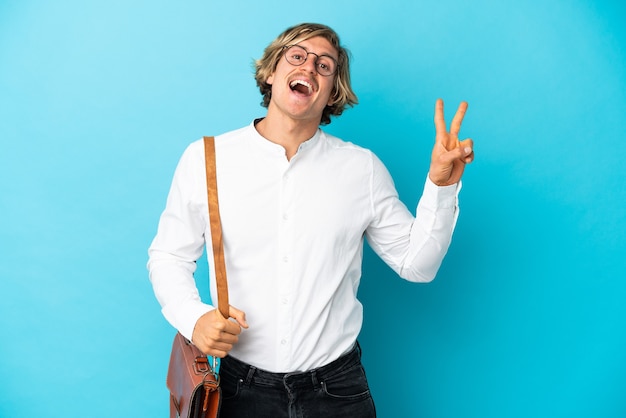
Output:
x=342 y=95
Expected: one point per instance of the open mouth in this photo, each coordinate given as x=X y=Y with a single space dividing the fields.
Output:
x=302 y=87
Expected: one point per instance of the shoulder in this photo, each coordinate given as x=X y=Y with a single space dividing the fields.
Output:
x=354 y=153
x=235 y=134
x=196 y=148
x=335 y=144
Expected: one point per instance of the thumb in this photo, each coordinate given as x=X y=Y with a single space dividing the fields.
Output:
x=239 y=316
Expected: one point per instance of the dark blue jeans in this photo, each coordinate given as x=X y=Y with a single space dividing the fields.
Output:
x=338 y=389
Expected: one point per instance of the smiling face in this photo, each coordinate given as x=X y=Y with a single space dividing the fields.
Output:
x=299 y=92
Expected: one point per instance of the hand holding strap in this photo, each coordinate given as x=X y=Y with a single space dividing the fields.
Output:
x=216 y=227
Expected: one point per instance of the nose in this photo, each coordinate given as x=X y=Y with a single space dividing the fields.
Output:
x=310 y=64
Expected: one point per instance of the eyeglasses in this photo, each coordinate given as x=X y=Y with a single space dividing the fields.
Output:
x=325 y=65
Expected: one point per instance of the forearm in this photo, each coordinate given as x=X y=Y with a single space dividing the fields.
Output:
x=175 y=289
x=431 y=232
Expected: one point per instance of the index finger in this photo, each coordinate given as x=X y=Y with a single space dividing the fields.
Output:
x=440 y=122
x=232 y=328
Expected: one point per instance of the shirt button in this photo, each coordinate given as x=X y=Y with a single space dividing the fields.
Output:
x=285 y=259
x=284 y=301
x=283 y=341
x=285 y=216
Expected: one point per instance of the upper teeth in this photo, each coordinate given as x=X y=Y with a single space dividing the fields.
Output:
x=304 y=83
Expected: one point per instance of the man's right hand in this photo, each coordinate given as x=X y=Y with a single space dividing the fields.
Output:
x=215 y=335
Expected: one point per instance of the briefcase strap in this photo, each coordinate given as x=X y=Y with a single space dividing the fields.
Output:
x=216 y=227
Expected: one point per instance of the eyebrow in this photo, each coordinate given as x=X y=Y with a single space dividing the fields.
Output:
x=324 y=54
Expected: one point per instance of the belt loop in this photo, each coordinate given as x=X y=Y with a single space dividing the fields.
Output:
x=314 y=379
x=251 y=371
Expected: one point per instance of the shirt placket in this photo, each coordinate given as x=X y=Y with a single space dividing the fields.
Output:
x=285 y=268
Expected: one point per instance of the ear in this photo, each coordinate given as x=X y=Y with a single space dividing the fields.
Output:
x=270 y=79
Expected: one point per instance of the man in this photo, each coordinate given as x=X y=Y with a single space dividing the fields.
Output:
x=296 y=204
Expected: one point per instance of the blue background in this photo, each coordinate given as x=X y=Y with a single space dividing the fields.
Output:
x=527 y=317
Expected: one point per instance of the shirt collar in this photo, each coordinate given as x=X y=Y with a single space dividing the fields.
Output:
x=306 y=145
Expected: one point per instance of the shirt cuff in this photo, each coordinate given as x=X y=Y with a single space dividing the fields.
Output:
x=185 y=317
x=441 y=196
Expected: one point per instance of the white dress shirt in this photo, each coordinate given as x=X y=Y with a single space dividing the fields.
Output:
x=293 y=240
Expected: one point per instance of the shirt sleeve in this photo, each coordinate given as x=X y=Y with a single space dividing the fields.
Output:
x=178 y=244
x=413 y=246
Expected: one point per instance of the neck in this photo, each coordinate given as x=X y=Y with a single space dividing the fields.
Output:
x=287 y=132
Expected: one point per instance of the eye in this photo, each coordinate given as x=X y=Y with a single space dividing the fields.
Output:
x=325 y=64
